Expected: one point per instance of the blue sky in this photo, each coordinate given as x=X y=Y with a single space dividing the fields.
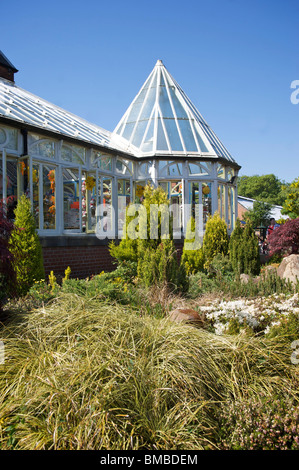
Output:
x=235 y=59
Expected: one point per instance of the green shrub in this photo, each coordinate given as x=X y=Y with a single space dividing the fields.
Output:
x=152 y=258
x=160 y=266
x=25 y=247
x=244 y=250
x=193 y=259
x=215 y=239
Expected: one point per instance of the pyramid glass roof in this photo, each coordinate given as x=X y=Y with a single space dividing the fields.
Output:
x=162 y=120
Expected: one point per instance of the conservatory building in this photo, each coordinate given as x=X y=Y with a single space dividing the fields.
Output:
x=80 y=177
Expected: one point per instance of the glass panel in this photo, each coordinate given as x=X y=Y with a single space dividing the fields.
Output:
x=49 y=209
x=161 y=140
x=9 y=138
x=139 y=133
x=128 y=130
x=104 y=162
x=71 y=204
x=42 y=147
x=173 y=135
x=170 y=168
x=23 y=170
x=125 y=167
x=179 y=109
x=197 y=169
x=148 y=141
x=201 y=143
x=73 y=154
x=188 y=137
x=106 y=220
x=164 y=103
x=35 y=185
x=123 y=190
x=11 y=186
x=231 y=210
x=2 y=136
x=220 y=171
x=193 y=195
x=139 y=190
x=221 y=201
x=206 y=201
x=149 y=104
x=89 y=202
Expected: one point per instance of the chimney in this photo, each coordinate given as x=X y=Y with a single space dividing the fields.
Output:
x=7 y=70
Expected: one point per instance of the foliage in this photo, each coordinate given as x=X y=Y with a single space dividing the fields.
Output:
x=25 y=247
x=215 y=239
x=266 y=285
x=147 y=249
x=266 y=188
x=6 y=271
x=193 y=259
x=291 y=203
x=244 y=250
x=104 y=377
x=67 y=274
x=159 y=266
x=285 y=239
x=265 y=423
x=260 y=215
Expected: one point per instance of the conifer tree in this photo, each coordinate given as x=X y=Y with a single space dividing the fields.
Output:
x=25 y=247
x=244 y=250
x=192 y=256
x=215 y=239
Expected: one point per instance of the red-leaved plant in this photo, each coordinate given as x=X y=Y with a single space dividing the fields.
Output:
x=285 y=239
x=6 y=270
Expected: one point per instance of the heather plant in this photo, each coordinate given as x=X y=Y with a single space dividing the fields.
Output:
x=25 y=247
x=267 y=423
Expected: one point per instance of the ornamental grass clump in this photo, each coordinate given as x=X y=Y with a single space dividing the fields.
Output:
x=82 y=374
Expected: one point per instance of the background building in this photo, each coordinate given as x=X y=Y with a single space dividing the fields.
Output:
x=79 y=176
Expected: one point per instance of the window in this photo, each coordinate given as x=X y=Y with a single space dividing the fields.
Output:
x=71 y=199
x=73 y=154
x=42 y=147
x=101 y=161
x=49 y=197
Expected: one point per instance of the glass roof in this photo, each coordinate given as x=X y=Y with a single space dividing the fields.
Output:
x=162 y=120
x=23 y=106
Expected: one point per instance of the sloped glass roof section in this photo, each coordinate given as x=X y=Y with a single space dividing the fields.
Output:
x=162 y=120
x=22 y=106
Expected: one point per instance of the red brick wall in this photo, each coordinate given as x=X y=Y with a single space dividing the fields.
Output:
x=83 y=260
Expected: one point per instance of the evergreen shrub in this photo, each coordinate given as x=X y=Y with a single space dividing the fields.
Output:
x=25 y=247
x=215 y=239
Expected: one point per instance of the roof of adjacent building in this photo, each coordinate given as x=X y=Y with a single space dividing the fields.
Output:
x=4 y=61
x=247 y=203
